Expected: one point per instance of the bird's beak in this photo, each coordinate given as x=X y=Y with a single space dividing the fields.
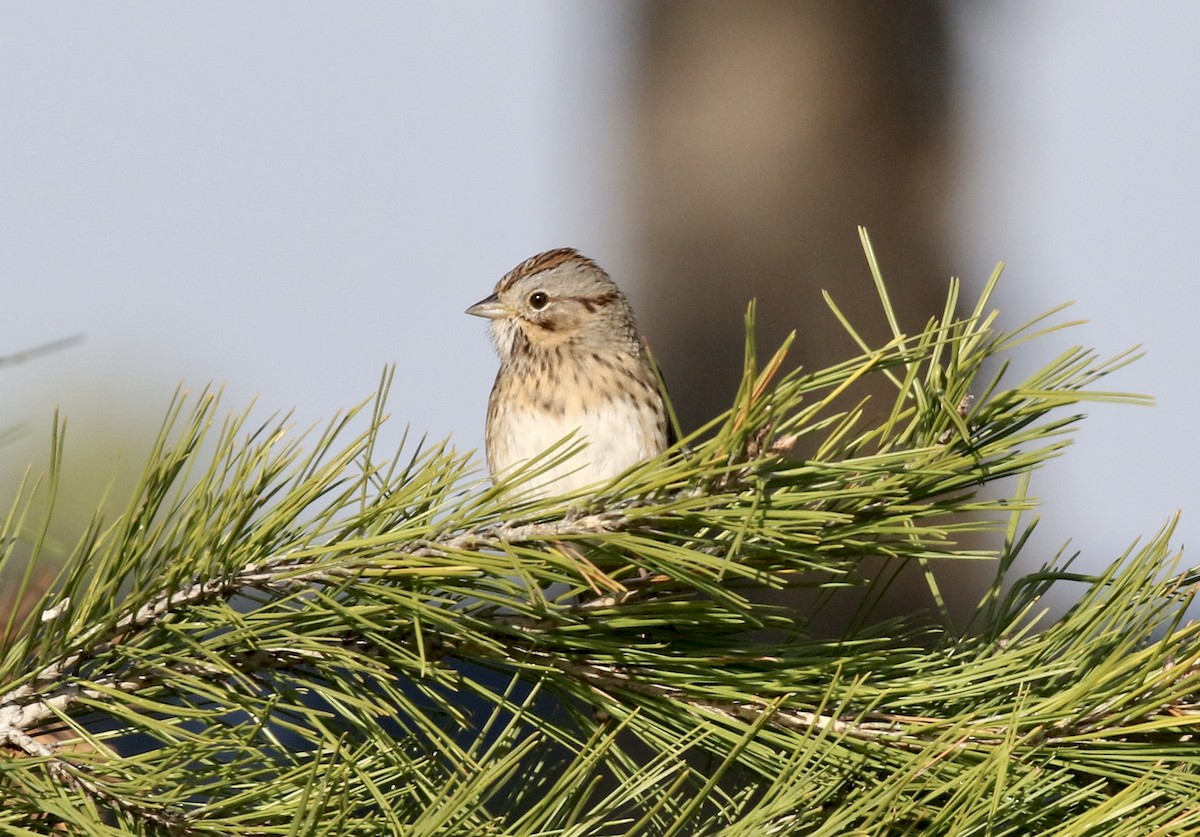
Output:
x=490 y=307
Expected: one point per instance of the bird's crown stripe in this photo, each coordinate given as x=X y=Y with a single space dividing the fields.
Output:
x=542 y=261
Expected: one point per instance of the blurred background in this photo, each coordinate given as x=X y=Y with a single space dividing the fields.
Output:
x=284 y=198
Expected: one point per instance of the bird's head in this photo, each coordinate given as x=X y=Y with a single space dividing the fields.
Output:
x=557 y=298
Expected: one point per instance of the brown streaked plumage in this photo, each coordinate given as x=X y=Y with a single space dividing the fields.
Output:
x=571 y=361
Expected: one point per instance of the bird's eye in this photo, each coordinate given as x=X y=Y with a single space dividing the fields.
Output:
x=538 y=300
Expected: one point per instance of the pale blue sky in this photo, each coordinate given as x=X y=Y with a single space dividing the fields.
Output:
x=1082 y=173
x=284 y=197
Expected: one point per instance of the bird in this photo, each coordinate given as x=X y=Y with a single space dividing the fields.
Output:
x=571 y=362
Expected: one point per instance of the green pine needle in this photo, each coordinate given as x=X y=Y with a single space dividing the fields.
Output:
x=304 y=633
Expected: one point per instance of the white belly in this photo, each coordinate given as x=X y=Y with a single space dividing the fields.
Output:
x=610 y=438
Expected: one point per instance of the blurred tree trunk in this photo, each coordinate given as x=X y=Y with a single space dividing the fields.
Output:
x=766 y=130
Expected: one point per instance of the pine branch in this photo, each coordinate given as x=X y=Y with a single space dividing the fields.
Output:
x=290 y=635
